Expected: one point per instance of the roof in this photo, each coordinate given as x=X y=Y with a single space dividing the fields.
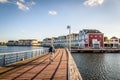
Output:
x=28 y=40
x=74 y=34
x=113 y=37
x=47 y=39
x=91 y=31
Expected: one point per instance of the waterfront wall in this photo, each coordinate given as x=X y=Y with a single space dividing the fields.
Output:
x=91 y=50
x=73 y=72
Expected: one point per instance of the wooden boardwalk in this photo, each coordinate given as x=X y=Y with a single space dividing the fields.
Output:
x=39 y=69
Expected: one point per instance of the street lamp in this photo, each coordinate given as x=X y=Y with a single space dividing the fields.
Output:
x=69 y=40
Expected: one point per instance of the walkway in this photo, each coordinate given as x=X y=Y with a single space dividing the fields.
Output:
x=40 y=69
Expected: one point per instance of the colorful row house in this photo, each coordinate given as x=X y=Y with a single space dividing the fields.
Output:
x=86 y=38
x=91 y=38
x=113 y=42
x=47 y=42
x=24 y=42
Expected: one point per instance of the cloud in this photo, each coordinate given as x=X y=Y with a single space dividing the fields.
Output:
x=93 y=2
x=52 y=12
x=22 y=1
x=22 y=6
x=3 y=1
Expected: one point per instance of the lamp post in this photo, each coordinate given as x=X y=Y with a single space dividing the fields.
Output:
x=69 y=39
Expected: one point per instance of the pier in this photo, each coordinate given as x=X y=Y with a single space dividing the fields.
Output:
x=62 y=68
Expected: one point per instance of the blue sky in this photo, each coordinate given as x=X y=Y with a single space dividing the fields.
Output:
x=38 y=19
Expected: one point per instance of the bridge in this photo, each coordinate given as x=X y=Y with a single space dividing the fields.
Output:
x=63 y=67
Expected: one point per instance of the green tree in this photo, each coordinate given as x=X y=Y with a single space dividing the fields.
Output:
x=106 y=39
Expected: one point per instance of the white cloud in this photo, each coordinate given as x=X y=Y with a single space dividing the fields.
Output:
x=3 y=1
x=22 y=1
x=53 y=12
x=22 y=6
x=93 y=2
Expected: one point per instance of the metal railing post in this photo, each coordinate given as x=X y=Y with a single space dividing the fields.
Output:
x=4 y=60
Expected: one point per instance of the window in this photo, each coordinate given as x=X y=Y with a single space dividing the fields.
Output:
x=91 y=36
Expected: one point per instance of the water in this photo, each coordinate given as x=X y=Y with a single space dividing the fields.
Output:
x=23 y=52
x=98 y=66
x=7 y=49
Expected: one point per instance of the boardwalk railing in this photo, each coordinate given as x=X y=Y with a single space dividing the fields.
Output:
x=73 y=72
x=8 y=58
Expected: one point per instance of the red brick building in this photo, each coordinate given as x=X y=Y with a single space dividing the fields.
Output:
x=91 y=38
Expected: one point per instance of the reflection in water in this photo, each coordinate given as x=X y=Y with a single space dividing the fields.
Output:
x=96 y=66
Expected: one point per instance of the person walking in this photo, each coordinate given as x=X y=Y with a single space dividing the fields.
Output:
x=51 y=51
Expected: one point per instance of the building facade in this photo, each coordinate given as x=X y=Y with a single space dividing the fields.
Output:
x=91 y=38
x=114 y=42
x=86 y=38
x=47 y=42
x=24 y=42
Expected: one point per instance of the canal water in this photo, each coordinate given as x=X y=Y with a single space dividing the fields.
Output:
x=98 y=66
x=7 y=49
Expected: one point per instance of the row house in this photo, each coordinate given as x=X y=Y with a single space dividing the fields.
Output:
x=74 y=40
x=62 y=41
x=55 y=40
x=113 y=42
x=28 y=42
x=11 y=43
x=86 y=38
x=91 y=38
x=47 y=42
x=22 y=42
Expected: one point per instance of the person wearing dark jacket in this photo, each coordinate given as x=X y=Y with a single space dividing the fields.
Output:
x=51 y=51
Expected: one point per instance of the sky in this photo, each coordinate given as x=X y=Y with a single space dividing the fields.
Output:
x=39 y=19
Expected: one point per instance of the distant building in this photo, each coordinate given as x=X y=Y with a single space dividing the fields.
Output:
x=24 y=42
x=91 y=38
x=28 y=42
x=114 y=42
x=74 y=40
x=11 y=43
x=47 y=42
x=55 y=41
x=86 y=38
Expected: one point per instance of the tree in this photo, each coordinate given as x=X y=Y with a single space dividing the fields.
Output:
x=106 y=39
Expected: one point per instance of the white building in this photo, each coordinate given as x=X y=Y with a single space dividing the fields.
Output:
x=62 y=41
x=11 y=43
x=47 y=42
x=74 y=40
x=24 y=42
x=114 y=42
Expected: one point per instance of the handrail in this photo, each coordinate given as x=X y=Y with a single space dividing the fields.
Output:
x=73 y=72
x=12 y=57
